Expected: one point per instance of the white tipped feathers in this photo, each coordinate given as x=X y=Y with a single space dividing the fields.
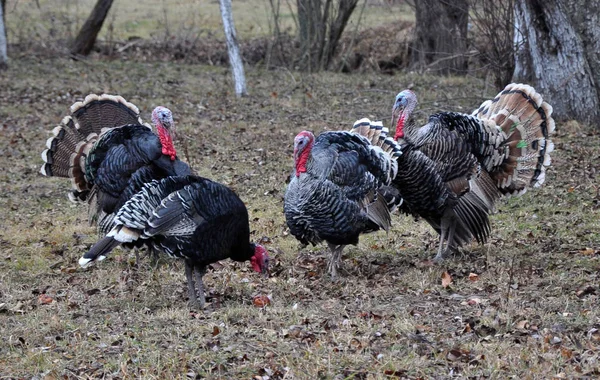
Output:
x=526 y=122
x=83 y=262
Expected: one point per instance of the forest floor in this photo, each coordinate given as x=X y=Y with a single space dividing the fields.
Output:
x=525 y=305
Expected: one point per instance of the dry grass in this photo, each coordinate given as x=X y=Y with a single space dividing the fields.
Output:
x=49 y=19
x=531 y=313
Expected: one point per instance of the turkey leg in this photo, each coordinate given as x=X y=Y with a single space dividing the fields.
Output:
x=199 y=272
x=336 y=258
x=193 y=298
x=440 y=254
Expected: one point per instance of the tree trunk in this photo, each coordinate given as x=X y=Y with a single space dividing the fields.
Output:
x=553 y=58
x=3 y=5
x=84 y=43
x=3 y=39
x=235 y=60
x=320 y=27
x=441 y=36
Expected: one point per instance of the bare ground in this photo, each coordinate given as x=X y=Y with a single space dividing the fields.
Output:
x=522 y=306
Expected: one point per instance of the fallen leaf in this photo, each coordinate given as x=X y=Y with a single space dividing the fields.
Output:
x=454 y=355
x=588 y=251
x=566 y=353
x=585 y=291
x=473 y=277
x=215 y=331
x=45 y=299
x=261 y=301
x=474 y=301
x=522 y=325
x=446 y=279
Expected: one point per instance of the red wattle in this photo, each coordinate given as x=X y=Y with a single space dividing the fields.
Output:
x=301 y=162
x=167 y=144
x=400 y=128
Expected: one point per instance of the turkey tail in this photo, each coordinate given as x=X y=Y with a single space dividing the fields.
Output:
x=67 y=148
x=526 y=121
x=378 y=135
x=99 y=251
x=99 y=112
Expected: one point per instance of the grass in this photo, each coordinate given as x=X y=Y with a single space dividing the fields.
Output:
x=531 y=311
x=164 y=18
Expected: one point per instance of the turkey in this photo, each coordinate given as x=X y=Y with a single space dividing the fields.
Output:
x=109 y=153
x=454 y=168
x=334 y=194
x=187 y=217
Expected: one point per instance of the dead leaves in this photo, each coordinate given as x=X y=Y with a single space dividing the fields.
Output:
x=586 y=291
x=261 y=301
x=446 y=279
x=45 y=299
x=464 y=355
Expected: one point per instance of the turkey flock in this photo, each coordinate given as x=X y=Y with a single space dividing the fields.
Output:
x=449 y=172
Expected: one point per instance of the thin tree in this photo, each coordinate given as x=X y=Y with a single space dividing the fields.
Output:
x=557 y=55
x=3 y=40
x=85 y=40
x=235 y=59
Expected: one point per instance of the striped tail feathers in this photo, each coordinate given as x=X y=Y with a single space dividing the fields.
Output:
x=378 y=135
x=526 y=122
x=65 y=156
x=67 y=149
x=118 y=235
x=100 y=112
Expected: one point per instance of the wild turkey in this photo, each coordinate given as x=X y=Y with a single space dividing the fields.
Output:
x=453 y=169
x=334 y=193
x=187 y=217
x=109 y=153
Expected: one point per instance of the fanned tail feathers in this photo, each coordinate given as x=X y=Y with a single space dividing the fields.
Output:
x=71 y=140
x=377 y=135
x=527 y=123
x=381 y=203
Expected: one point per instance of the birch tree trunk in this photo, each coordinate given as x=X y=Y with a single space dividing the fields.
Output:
x=85 y=40
x=3 y=41
x=235 y=60
x=553 y=58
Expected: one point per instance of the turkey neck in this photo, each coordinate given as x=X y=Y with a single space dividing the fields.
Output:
x=302 y=159
x=166 y=141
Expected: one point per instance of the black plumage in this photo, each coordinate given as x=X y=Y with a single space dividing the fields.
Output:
x=334 y=193
x=454 y=168
x=109 y=153
x=187 y=217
